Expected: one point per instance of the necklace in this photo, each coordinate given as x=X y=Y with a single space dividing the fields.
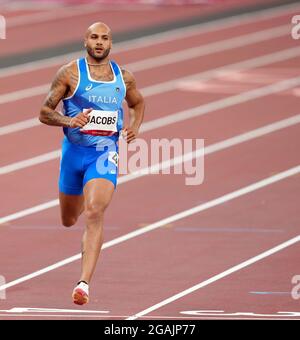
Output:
x=97 y=64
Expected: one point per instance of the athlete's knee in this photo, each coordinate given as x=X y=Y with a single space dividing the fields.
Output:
x=95 y=211
x=68 y=221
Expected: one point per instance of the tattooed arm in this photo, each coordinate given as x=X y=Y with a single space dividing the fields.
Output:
x=63 y=83
x=136 y=105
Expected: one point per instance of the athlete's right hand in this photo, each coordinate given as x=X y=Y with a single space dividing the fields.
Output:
x=80 y=120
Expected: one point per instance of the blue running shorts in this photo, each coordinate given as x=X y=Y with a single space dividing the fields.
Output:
x=79 y=164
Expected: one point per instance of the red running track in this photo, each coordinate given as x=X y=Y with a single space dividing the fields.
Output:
x=143 y=271
x=43 y=28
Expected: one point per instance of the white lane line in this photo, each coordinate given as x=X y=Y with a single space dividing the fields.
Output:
x=173 y=118
x=235 y=316
x=23 y=94
x=111 y=317
x=30 y=162
x=167 y=59
x=53 y=14
x=67 y=316
x=202 y=207
x=158 y=38
x=51 y=310
x=19 y=126
x=171 y=85
x=230 y=271
x=247 y=64
x=222 y=104
x=211 y=48
x=29 y=211
x=210 y=149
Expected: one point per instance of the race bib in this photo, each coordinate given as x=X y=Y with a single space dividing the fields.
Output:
x=101 y=123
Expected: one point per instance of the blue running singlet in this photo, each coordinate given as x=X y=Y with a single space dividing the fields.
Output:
x=92 y=151
x=98 y=95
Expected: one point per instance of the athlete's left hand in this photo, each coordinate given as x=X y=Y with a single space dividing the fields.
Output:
x=130 y=134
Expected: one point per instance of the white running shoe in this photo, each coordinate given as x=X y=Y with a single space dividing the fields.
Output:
x=81 y=293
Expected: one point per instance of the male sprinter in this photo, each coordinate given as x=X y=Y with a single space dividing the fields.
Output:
x=92 y=90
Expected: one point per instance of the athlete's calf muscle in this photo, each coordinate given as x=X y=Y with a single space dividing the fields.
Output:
x=71 y=207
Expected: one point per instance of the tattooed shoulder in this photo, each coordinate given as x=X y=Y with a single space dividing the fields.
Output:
x=59 y=87
x=66 y=74
x=129 y=79
x=72 y=75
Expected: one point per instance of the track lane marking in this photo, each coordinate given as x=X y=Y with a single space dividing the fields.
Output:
x=173 y=118
x=167 y=59
x=54 y=13
x=170 y=35
x=231 y=270
x=172 y=85
x=199 y=208
x=210 y=149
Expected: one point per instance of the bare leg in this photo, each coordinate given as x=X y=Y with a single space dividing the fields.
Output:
x=71 y=207
x=97 y=196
